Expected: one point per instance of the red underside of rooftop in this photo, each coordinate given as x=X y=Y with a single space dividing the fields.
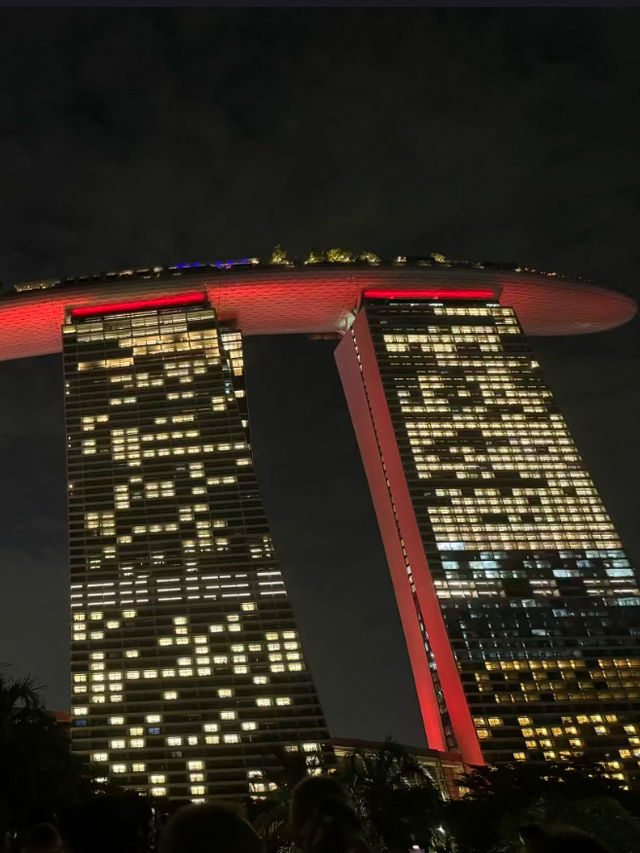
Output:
x=314 y=302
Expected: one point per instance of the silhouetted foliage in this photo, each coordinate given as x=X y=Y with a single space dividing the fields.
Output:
x=38 y=774
x=502 y=799
x=271 y=815
x=392 y=794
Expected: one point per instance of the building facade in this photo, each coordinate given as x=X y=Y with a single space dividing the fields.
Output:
x=187 y=672
x=518 y=604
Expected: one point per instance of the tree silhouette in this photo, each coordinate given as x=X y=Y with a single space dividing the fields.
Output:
x=38 y=775
x=270 y=816
x=394 y=796
x=502 y=799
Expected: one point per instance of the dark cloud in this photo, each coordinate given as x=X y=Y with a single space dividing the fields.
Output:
x=136 y=136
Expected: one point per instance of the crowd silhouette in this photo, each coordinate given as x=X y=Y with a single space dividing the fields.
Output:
x=321 y=820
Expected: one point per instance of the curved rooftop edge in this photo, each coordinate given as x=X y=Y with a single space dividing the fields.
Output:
x=314 y=299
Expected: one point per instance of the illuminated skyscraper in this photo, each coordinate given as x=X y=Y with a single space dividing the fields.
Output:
x=517 y=601
x=518 y=604
x=187 y=671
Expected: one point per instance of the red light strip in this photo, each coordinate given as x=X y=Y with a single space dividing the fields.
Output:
x=361 y=417
x=429 y=294
x=138 y=304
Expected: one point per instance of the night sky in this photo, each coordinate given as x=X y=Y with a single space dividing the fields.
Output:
x=137 y=137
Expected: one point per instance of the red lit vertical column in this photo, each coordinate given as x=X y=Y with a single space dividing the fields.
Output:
x=366 y=400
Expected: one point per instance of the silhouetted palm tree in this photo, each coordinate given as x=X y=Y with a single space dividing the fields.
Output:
x=394 y=796
x=38 y=774
x=271 y=815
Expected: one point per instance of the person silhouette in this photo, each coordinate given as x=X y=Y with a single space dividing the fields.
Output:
x=209 y=828
x=106 y=823
x=322 y=819
x=43 y=838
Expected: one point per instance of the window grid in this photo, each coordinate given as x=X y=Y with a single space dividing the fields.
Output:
x=536 y=592
x=180 y=620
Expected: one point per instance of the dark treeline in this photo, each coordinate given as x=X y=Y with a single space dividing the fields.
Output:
x=392 y=796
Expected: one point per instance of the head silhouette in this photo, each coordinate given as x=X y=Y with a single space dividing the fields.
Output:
x=42 y=838
x=209 y=828
x=558 y=839
x=322 y=820
x=109 y=823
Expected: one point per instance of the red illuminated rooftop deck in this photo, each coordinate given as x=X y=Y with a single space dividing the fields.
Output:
x=317 y=299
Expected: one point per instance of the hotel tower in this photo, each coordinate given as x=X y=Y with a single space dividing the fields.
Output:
x=186 y=666
x=519 y=606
